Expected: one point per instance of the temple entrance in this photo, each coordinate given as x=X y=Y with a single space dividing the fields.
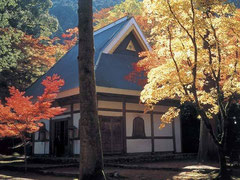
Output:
x=112 y=134
x=60 y=138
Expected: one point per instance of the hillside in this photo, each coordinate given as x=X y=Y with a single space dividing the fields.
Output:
x=66 y=11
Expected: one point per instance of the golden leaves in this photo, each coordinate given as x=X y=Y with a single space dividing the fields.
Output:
x=208 y=40
x=169 y=116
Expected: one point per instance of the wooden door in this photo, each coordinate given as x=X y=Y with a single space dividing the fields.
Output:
x=61 y=138
x=111 y=132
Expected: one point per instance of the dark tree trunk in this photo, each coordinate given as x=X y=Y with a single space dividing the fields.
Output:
x=224 y=173
x=25 y=155
x=207 y=150
x=202 y=149
x=91 y=159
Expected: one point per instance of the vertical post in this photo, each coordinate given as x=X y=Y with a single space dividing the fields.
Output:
x=51 y=137
x=70 y=125
x=33 y=143
x=124 y=127
x=152 y=131
x=173 y=134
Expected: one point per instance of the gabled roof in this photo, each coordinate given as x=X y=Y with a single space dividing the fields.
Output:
x=110 y=69
x=130 y=26
x=105 y=35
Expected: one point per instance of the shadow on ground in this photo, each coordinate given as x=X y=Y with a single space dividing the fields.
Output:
x=164 y=170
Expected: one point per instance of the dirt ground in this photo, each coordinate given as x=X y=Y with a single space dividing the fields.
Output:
x=13 y=175
x=168 y=170
x=122 y=174
x=130 y=174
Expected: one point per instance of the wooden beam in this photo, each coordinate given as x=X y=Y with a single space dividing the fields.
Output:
x=152 y=132
x=150 y=137
x=33 y=143
x=124 y=127
x=70 y=124
x=174 y=138
x=114 y=97
x=51 y=137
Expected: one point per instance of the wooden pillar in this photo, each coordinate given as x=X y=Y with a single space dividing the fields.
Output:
x=152 y=131
x=70 y=125
x=124 y=127
x=33 y=143
x=173 y=134
x=51 y=137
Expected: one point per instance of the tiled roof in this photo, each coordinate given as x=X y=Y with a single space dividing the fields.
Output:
x=110 y=71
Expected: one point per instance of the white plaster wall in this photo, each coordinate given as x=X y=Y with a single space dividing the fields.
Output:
x=139 y=145
x=134 y=106
x=36 y=136
x=76 y=117
x=166 y=131
x=162 y=109
x=76 y=147
x=41 y=148
x=163 y=145
x=178 y=135
x=109 y=113
x=76 y=107
x=129 y=123
x=110 y=104
x=141 y=107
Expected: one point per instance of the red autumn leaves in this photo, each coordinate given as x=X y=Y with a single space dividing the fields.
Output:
x=21 y=114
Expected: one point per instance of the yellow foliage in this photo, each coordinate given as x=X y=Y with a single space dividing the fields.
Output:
x=197 y=54
x=168 y=117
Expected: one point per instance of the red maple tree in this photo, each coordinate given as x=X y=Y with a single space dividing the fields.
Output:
x=21 y=115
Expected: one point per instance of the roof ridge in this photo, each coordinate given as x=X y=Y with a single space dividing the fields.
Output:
x=104 y=28
x=100 y=54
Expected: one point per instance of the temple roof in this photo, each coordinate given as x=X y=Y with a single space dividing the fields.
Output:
x=110 y=68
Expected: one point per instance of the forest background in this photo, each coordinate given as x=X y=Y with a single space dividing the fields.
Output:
x=34 y=35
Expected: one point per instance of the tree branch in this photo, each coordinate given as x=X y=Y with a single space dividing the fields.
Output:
x=175 y=63
x=219 y=92
x=201 y=112
x=178 y=21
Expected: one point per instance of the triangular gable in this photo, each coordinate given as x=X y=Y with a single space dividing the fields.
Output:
x=131 y=26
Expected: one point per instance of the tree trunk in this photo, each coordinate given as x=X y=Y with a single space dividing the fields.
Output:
x=223 y=174
x=91 y=158
x=25 y=155
x=207 y=149
x=203 y=137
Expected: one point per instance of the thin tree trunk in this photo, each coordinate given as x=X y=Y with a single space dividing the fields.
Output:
x=25 y=155
x=203 y=145
x=223 y=174
x=91 y=158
